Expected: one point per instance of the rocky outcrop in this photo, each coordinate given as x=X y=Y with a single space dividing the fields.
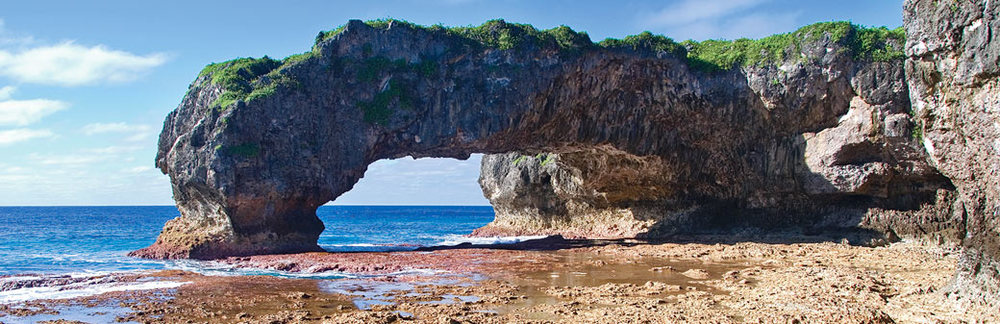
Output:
x=858 y=172
x=641 y=136
x=862 y=172
x=953 y=70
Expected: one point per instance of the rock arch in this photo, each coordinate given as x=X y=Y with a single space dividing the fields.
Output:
x=814 y=136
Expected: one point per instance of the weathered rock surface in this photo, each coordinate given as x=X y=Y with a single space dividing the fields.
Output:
x=953 y=71
x=861 y=172
x=817 y=138
x=858 y=168
x=630 y=141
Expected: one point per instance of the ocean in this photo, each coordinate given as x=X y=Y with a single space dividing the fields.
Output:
x=59 y=240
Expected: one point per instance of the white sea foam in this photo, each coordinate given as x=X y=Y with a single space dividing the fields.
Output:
x=458 y=239
x=357 y=245
x=74 y=275
x=82 y=289
x=19 y=278
x=214 y=268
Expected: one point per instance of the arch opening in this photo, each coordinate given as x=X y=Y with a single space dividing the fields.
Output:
x=404 y=203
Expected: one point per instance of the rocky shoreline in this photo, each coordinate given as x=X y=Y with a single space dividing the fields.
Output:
x=833 y=128
x=604 y=282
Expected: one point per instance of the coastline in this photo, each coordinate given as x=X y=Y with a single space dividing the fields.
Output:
x=552 y=280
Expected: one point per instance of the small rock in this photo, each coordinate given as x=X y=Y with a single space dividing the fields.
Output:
x=696 y=274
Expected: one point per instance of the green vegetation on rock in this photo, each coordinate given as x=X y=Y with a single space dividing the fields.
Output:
x=549 y=158
x=495 y=33
x=249 y=79
x=874 y=44
x=878 y=44
x=645 y=40
x=519 y=159
x=508 y=36
x=247 y=150
x=236 y=77
x=378 y=110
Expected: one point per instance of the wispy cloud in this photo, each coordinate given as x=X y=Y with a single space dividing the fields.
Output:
x=71 y=64
x=138 y=169
x=690 y=11
x=729 y=19
x=71 y=159
x=8 y=38
x=12 y=136
x=136 y=132
x=113 y=149
x=405 y=181
x=6 y=92
x=24 y=112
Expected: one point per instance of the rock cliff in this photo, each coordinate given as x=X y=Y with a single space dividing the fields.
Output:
x=860 y=172
x=953 y=68
x=828 y=146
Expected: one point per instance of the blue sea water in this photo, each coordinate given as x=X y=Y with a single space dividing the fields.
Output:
x=96 y=239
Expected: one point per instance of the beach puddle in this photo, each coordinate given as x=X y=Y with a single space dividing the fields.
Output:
x=605 y=280
x=449 y=299
x=80 y=313
x=367 y=293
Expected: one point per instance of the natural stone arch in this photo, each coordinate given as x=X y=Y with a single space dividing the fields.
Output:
x=257 y=145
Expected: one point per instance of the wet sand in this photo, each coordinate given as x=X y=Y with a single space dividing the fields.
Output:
x=610 y=282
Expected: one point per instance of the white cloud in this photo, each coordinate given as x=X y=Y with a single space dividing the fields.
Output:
x=7 y=38
x=71 y=64
x=690 y=11
x=72 y=159
x=113 y=149
x=754 y=25
x=726 y=19
x=5 y=92
x=136 y=132
x=24 y=112
x=12 y=136
x=405 y=181
x=139 y=169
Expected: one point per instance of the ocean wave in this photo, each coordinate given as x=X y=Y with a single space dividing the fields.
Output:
x=451 y=240
x=215 y=268
x=74 y=289
x=357 y=245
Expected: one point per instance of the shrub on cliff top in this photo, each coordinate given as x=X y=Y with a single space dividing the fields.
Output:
x=864 y=43
x=495 y=33
x=250 y=78
x=645 y=40
x=878 y=44
x=505 y=36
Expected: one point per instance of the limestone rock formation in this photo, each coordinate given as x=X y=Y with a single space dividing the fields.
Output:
x=861 y=168
x=953 y=71
x=258 y=144
x=827 y=128
x=863 y=171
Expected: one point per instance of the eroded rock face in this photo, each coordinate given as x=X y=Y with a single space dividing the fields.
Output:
x=954 y=77
x=857 y=172
x=641 y=143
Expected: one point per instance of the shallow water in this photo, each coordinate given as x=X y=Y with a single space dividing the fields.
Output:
x=86 y=314
x=585 y=269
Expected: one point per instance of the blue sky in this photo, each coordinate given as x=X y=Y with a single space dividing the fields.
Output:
x=84 y=85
